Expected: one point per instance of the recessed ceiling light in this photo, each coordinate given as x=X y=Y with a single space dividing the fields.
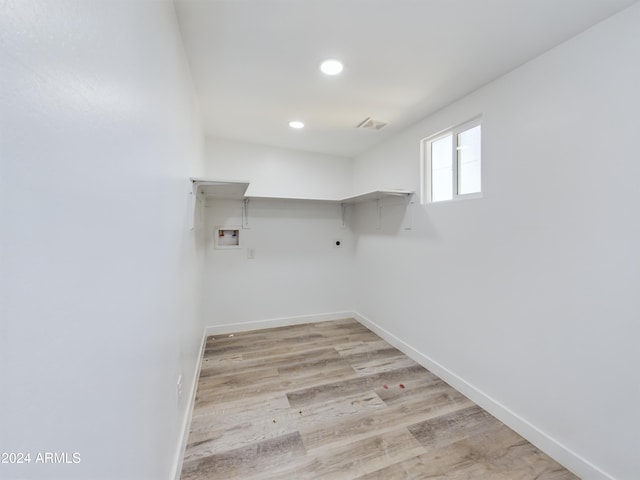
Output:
x=296 y=124
x=331 y=67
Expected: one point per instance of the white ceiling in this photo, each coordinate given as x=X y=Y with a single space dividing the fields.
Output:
x=255 y=63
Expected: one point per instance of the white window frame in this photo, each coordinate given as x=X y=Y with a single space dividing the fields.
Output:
x=425 y=164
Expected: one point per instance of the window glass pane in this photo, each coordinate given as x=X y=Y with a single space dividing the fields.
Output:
x=469 y=162
x=442 y=169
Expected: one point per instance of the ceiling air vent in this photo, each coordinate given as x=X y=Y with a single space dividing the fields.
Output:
x=371 y=124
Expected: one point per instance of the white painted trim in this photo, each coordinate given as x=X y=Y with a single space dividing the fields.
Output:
x=568 y=458
x=276 y=322
x=189 y=413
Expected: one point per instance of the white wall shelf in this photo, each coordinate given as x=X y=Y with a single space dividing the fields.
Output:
x=236 y=190
x=222 y=189
x=376 y=195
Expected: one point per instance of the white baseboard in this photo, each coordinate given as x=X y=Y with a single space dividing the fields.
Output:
x=276 y=322
x=189 y=414
x=569 y=459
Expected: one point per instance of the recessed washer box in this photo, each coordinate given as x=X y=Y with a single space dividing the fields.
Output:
x=227 y=237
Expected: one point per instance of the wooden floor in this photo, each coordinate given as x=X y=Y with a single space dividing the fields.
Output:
x=332 y=400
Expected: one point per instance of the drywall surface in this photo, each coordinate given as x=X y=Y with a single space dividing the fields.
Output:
x=100 y=272
x=297 y=270
x=279 y=172
x=530 y=294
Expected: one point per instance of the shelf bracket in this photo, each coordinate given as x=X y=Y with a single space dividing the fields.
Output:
x=245 y=213
x=193 y=204
x=408 y=214
x=343 y=214
x=192 y=209
x=378 y=214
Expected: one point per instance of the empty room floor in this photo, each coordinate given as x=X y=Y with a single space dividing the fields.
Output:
x=332 y=400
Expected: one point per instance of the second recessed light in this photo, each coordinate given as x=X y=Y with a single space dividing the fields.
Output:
x=331 y=67
x=296 y=124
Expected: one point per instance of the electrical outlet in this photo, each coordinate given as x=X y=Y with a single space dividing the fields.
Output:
x=251 y=253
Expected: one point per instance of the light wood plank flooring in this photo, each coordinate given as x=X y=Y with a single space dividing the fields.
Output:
x=332 y=400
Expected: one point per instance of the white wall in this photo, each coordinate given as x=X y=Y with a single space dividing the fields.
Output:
x=530 y=294
x=99 y=277
x=297 y=273
x=279 y=171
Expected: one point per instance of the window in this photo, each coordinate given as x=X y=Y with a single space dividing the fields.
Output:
x=452 y=163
